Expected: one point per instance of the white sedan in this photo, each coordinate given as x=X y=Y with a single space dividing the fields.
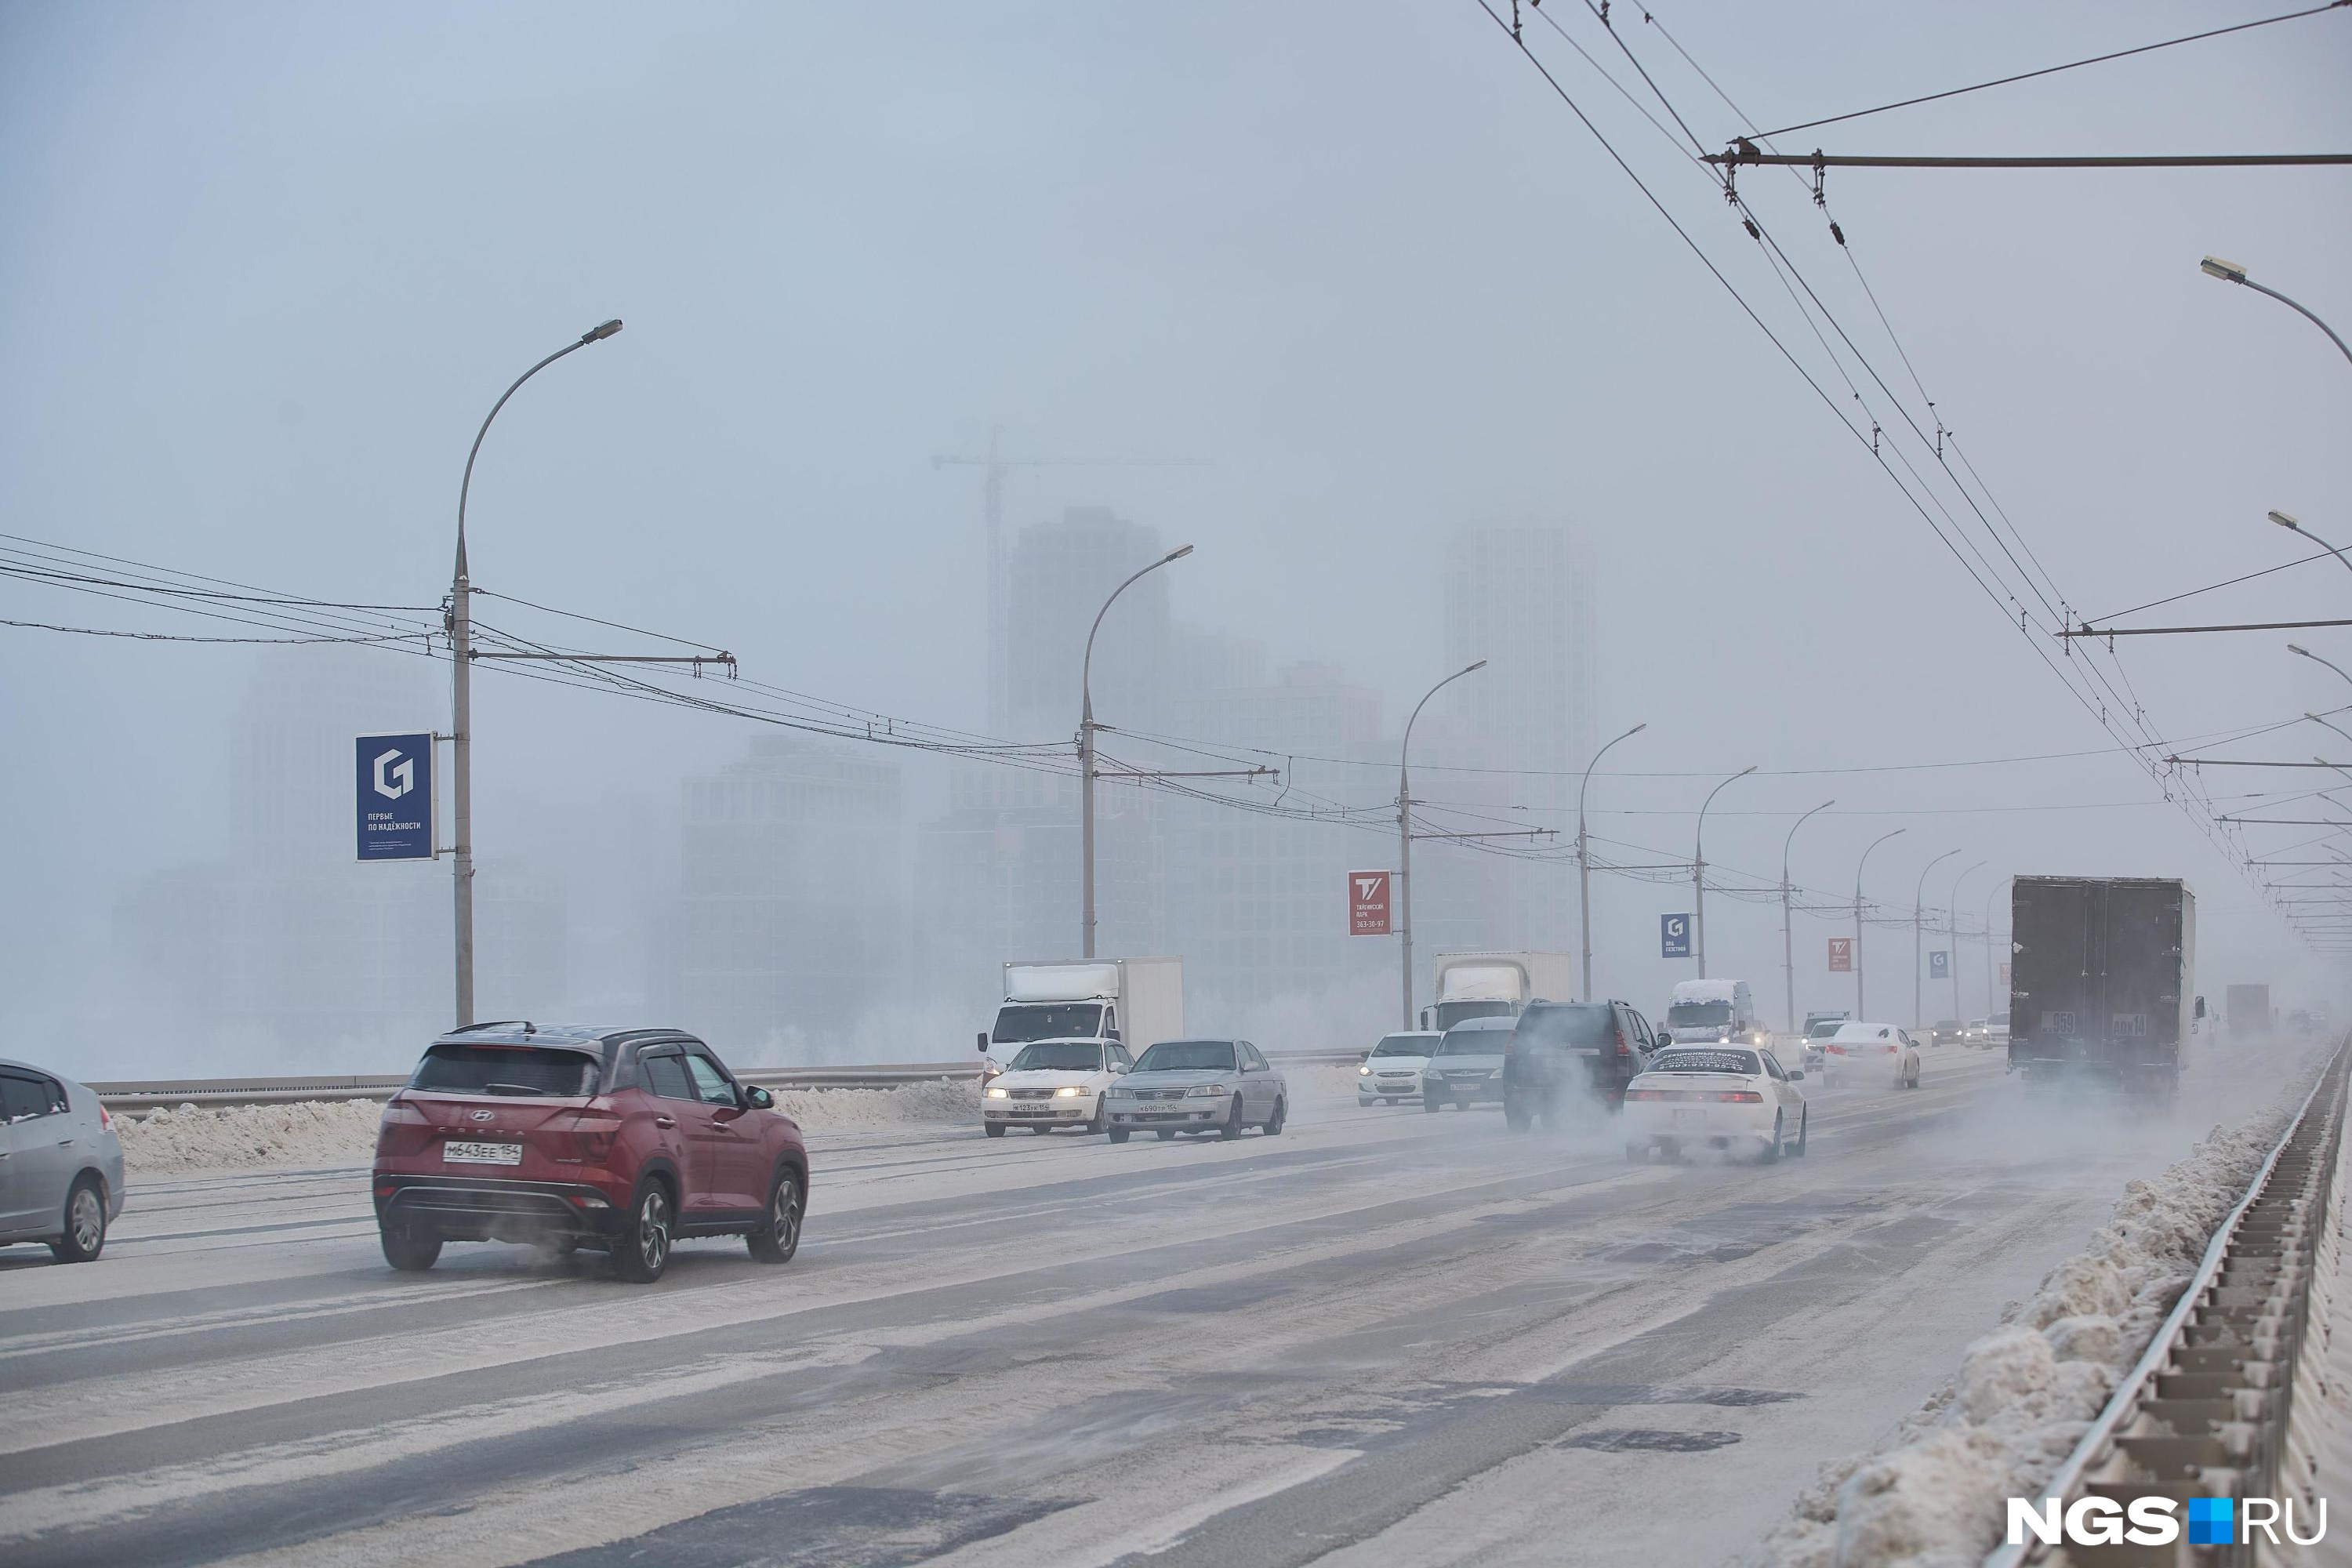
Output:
x=1391 y=1073
x=1857 y=1049
x=1718 y=1097
x=1052 y=1083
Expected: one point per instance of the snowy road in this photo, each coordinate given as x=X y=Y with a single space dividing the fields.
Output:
x=1385 y=1338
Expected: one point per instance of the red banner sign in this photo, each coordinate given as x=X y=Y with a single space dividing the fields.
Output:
x=1840 y=955
x=1367 y=904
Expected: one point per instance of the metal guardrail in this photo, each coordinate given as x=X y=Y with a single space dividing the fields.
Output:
x=136 y=1095
x=2204 y=1412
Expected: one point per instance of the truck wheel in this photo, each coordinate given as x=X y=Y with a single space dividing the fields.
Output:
x=1165 y=1133
x=1118 y=1134
x=1516 y=1117
x=996 y=1129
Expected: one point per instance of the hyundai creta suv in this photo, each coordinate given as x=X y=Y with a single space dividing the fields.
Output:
x=622 y=1140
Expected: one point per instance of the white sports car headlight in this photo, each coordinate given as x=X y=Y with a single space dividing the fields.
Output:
x=1206 y=1091
x=1000 y=1093
x=1068 y=1092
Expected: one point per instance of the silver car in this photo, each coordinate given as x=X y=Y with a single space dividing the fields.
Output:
x=60 y=1164
x=1198 y=1085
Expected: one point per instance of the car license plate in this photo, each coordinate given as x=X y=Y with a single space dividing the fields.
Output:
x=481 y=1154
x=1690 y=1116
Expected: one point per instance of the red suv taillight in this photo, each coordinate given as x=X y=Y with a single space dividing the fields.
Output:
x=397 y=1113
x=590 y=1136
x=1623 y=1050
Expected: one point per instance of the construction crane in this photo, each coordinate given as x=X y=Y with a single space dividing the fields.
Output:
x=993 y=505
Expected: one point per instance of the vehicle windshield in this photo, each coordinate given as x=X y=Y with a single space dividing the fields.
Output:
x=2000 y=1020
x=1826 y=1028
x=1583 y=1024
x=1059 y=1056
x=508 y=1070
x=1707 y=1061
x=1020 y=1022
x=1698 y=1015
x=1404 y=1046
x=1473 y=1042
x=1187 y=1056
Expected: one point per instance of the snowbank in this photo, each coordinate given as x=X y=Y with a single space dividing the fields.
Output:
x=317 y=1133
x=2025 y=1392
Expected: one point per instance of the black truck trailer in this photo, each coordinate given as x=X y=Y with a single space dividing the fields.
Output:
x=2102 y=973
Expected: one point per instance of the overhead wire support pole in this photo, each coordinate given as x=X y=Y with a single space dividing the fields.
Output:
x=1788 y=941
x=461 y=693
x=1405 y=837
x=1584 y=861
x=1087 y=728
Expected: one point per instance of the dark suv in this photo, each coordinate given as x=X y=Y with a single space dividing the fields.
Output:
x=624 y=1141
x=1562 y=1053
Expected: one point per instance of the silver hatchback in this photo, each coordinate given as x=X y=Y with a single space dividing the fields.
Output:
x=60 y=1164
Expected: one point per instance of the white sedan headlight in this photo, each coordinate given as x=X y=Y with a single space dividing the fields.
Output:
x=1365 y=1070
x=999 y=1093
x=1206 y=1091
x=1068 y=1092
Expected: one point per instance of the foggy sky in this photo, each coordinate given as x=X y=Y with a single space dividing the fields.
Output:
x=263 y=268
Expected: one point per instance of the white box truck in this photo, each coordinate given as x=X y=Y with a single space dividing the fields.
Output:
x=1128 y=1001
x=1492 y=985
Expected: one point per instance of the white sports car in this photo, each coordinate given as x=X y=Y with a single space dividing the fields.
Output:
x=1857 y=1049
x=1719 y=1096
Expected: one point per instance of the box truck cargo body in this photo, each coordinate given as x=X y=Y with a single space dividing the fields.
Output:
x=2102 y=980
x=1134 y=1001
x=1496 y=984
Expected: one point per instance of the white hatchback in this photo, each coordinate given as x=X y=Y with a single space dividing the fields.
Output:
x=1052 y=1083
x=1393 y=1072
x=1730 y=1098
x=1857 y=1050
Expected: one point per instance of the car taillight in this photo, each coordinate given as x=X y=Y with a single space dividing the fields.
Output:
x=1622 y=1048
x=1645 y=1094
x=592 y=1130
x=398 y=1112
x=1739 y=1097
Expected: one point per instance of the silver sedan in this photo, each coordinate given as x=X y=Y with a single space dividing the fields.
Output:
x=1198 y=1085
x=60 y=1164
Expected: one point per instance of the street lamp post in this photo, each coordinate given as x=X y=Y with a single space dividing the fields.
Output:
x=1918 y=945
x=1086 y=753
x=461 y=693
x=1860 y=1010
x=1990 y=1005
x=1952 y=960
x=2318 y=662
x=2292 y=525
x=1788 y=941
x=1584 y=862
x=1404 y=836
x=2231 y=272
x=1698 y=870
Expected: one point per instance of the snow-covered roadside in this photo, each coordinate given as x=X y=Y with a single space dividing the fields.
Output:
x=315 y=1133
x=2025 y=1392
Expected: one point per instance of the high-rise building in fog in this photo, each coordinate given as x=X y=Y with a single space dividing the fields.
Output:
x=1001 y=869
x=1519 y=596
x=288 y=951
x=791 y=896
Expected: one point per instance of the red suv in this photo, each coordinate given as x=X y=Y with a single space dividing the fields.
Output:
x=624 y=1141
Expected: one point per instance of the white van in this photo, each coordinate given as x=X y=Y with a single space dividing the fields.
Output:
x=1712 y=1013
